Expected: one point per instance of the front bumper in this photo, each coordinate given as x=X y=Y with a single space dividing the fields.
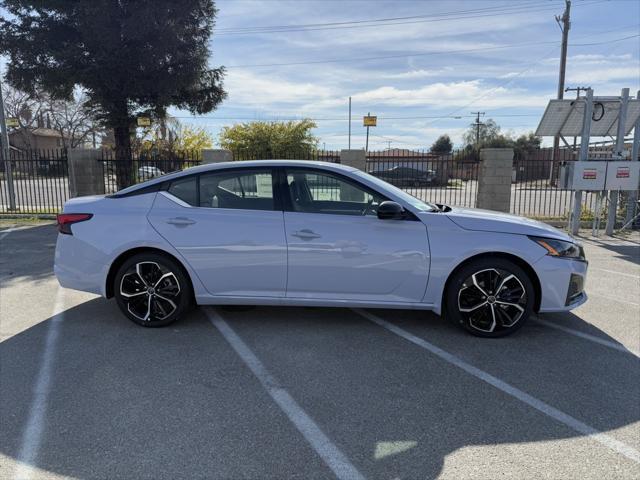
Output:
x=562 y=283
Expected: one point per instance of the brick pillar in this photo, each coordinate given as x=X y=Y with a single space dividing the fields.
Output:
x=216 y=155
x=86 y=173
x=494 y=179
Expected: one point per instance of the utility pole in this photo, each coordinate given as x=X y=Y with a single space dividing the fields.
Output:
x=478 y=123
x=565 y=24
x=366 y=148
x=349 y=123
x=388 y=144
x=4 y=140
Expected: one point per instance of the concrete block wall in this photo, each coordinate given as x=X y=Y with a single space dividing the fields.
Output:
x=354 y=158
x=86 y=174
x=494 y=179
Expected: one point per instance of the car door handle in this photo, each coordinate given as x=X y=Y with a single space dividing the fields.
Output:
x=305 y=234
x=180 y=221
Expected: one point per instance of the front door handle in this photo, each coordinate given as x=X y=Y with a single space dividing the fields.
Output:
x=180 y=221
x=305 y=234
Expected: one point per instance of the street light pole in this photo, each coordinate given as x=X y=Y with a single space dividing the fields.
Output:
x=4 y=139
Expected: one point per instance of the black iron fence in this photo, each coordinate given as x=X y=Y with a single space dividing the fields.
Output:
x=537 y=191
x=40 y=181
x=121 y=171
x=332 y=156
x=41 y=177
x=450 y=178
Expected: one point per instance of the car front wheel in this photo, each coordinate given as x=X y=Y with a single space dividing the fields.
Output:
x=152 y=290
x=490 y=297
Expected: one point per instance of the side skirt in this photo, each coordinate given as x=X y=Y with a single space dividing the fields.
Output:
x=307 y=302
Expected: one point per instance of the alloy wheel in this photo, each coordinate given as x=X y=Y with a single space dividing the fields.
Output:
x=491 y=300
x=151 y=291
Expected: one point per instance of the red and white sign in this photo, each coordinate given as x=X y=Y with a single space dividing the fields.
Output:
x=589 y=174
x=623 y=172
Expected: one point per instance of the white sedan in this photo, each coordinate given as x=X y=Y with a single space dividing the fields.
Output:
x=314 y=234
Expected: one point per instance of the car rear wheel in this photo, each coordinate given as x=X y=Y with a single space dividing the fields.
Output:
x=490 y=297
x=152 y=290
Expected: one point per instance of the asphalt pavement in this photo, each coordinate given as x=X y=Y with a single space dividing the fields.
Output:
x=276 y=393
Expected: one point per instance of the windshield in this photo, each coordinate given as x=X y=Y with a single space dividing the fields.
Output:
x=410 y=199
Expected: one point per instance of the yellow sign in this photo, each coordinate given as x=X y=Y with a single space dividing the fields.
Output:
x=370 y=120
x=144 y=121
x=12 y=122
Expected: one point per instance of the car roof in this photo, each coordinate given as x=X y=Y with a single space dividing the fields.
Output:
x=248 y=164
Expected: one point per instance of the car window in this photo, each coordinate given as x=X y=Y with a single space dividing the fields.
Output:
x=246 y=189
x=185 y=189
x=322 y=192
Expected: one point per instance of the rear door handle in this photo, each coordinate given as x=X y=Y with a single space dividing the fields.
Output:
x=180 y=221
x=305 y=234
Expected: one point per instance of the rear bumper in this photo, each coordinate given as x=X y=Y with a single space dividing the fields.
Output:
x=73 y=267
x=556 y=277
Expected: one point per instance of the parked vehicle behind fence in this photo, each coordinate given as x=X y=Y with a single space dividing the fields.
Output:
x=405 y=176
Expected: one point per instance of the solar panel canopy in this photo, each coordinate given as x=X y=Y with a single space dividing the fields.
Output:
x=565 y=117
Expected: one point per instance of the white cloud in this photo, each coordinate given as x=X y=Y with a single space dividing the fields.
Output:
x=259 y=90
x=451 y=94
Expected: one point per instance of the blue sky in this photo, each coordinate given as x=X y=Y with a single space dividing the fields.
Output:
x=506 y=63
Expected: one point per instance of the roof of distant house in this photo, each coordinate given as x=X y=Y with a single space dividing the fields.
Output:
x=39 y=132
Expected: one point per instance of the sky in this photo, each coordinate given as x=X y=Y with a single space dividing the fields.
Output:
x=421 y=66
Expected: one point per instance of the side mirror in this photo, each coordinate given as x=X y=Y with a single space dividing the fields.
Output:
x=390 y=211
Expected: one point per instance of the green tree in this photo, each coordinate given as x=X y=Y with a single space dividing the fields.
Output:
x=488 y=130
x=270 y=139
x=131 y=57
x=442 y=145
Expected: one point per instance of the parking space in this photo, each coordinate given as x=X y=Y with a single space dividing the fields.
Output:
x=314 y=392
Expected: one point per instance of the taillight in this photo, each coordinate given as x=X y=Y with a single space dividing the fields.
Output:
x=65 y=220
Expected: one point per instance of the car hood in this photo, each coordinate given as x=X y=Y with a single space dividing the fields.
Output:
x=490 y=221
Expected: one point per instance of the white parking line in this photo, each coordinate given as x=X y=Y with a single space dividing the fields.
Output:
x=567 y=420
x=6 y=232
x=330 y=453
x=32 y=435
x=586 y=336
x=636 y=276
x=613 y=299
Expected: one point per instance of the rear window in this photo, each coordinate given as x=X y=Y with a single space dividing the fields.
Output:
x=185 y=189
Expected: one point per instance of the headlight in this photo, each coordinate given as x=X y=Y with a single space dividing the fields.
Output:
x=560 y=248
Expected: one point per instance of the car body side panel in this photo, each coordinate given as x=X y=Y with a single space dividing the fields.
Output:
x=82 y=260
x=451 y=245
x=235 y=252
x=358 y=258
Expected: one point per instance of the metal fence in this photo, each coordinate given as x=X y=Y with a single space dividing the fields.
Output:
x=121 y=171
x=450 y=178
x=536 y=190
x=40 y=181
x=332 y=156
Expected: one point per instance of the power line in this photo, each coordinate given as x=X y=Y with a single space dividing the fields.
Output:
x=445 y=16
x=345 y=119
x=421 y=54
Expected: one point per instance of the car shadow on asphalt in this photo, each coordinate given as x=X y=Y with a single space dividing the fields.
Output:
x=177 y=402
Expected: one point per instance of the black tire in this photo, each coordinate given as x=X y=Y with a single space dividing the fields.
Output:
x=164 y=287
x=480 y=309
